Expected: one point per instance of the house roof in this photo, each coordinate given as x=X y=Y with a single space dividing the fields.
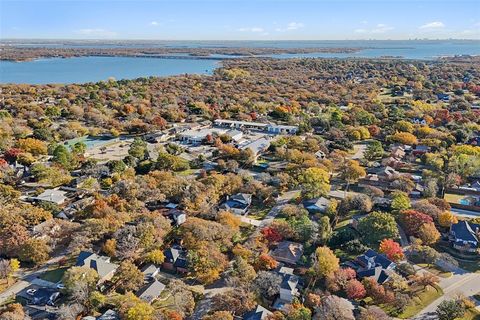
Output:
x=465 y=232
x=260 y=313
x=176 y=256
x=373 y=264
x=101 y=264
x=257 y=146
x=151 y=291
x=245 y=198
x=288 y=250
x=316 y=203
x=289 y=282
x=109 y=315
x=149 y=269
x=52 y=195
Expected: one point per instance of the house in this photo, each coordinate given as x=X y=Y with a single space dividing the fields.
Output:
x=374 y=265
x=465 y=236
x=393 y=162
x=288 y=252
x=419 y=121
x=238 y=203
x=101 y=264
x=279 y=129
x=417 y=191
x=151 y=291
x=150 y=271
x=175 y=260
x=420 y=150
x=289 y=288
x=178 y=217
x=316 y=205
x=51 y=195
x=109 y=315
x=259 y=313
x=41 y=296
x=384 y=173
x=320 y=155
x=398 y=152
x=443 y=97
x=257 y=146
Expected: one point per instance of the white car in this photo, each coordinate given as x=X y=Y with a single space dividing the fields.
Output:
x=31 y=291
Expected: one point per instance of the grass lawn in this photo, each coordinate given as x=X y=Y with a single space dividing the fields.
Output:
x=435 y=271
x=4 y=286
x=188 y=172
x=165 y=300
x=342 y=224
x=245 y=231
x=54 y=275
x=471 y=314
x=454 y=198
x=471 y=266
x=258 y=213
x=344 y=256
x=420 y=301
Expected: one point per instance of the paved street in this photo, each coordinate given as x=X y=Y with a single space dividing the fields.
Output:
x=28 y=277
x=462 y=282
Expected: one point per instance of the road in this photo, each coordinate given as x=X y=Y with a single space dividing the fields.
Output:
x=28 y=277
x=359 y=151
x=281 y=201
x=462 y=282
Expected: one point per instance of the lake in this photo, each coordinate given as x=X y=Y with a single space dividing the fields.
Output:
x=91 y=69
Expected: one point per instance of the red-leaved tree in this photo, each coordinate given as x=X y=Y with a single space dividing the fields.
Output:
x=412 y=220
x=391 y=249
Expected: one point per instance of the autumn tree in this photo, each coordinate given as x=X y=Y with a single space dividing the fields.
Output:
x=400 y=201
x=34 y=146
x=325 y=262
x=446 y=219
x=355 y=289
x=391 y=249
x=404 y=137
x=35 y=251
x=207 y=262
x=237 y=301
x=412 y=220
x=314 y=182
x=266 y=262
x=128 y=277
x=428 y=233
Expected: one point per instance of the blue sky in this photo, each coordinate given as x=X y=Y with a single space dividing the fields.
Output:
x=240 y=19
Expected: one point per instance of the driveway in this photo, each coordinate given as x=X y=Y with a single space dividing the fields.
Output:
x=28 y=277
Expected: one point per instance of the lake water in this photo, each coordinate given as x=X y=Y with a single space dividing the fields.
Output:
x=90 y=69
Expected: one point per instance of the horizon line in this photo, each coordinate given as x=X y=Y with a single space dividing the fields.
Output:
x=236 y=40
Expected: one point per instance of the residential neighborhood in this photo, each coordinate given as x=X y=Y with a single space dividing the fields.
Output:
x=306 y=203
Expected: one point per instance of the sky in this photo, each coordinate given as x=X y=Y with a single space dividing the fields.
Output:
x=240 y=19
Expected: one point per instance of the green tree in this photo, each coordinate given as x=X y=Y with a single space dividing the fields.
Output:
x=450 y=310
x=378 y=226
x=374 y=150
x=325 y=231
x=138 y=149
x=400 y=201
x=314 y=182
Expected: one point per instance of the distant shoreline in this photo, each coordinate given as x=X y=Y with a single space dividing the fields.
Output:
x=19 y=54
